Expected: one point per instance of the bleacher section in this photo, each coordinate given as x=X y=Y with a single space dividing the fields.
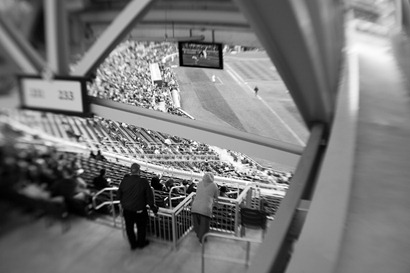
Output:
x=134 y=142
x=174 y=219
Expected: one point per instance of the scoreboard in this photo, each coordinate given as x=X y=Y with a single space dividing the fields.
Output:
x=66 y=95
x=200 y=54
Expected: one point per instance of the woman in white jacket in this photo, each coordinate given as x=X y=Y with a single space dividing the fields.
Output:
x=206 y=193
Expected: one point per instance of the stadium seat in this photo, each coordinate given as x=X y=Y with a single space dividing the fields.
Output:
x=253 y=219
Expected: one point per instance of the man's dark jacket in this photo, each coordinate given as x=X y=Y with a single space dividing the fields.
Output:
x=135 y=193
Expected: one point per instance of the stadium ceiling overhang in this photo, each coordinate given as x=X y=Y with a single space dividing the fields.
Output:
x=303 y=39
x=177 y=20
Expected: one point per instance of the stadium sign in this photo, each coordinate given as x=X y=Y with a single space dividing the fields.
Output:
x=66 y=95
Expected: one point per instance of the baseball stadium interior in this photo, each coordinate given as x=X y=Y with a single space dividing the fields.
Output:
x=300 y=110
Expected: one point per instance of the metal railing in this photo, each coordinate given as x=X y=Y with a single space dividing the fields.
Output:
x=182 y=219
x=111 y=202
x=265 y=197
x=225 y=216
x=160 y=227
x=172 y=225
x=180 y=158
x=247 y=255
x=172 y=197
x=226 y=212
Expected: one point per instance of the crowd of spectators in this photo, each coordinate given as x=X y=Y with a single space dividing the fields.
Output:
x=40 y=172
x=187 y=146
x=125 y=76
x=173 y=152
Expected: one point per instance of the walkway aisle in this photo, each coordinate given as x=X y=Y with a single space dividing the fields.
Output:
x=377 y=237
x=28 y=245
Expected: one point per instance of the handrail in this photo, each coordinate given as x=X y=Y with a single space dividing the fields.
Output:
x=174 y=216
x=176 y=197
x=243 y=193
x=167 y=213
x=209 y=234
x=238 y=202
x=225 y=199
x=187 y=199
x=180 y=157
x=111 y=189
x=112 y=202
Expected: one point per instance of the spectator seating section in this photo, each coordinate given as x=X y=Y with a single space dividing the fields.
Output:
x=169 y=151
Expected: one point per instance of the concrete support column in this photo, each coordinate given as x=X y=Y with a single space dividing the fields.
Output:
x=109 y=39
x=19 y=49
x=304 y=41
x=398 y=15
x=56 y=36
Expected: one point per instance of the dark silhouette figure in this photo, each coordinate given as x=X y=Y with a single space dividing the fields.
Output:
x=135 y=194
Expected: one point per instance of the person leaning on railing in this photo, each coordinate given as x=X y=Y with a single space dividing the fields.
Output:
x=206 y=194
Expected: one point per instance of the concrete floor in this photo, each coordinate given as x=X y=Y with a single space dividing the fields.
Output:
x=32 y=245
x=377 y=229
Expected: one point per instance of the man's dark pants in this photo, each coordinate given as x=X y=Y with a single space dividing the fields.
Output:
x=133 y=218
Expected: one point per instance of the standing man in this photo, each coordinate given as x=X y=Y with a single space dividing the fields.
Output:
x=256 y=89
x=135 y=194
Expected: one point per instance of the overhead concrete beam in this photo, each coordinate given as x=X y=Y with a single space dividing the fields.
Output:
x=282 y=153
x=56 y=36
x=287 y=31
x=115 y=32
x=230 y=36
x=192 y=17
x=19 y=49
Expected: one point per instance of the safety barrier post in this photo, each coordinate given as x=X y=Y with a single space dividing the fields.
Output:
x=113 y=209
x=248 y=247
x=249 y=195
x=222 y=236
x=174 y=232
x=237 y=219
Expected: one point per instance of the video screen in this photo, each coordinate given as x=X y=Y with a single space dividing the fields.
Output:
x=199 y=54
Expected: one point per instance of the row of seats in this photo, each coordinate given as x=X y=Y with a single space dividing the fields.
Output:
x=99 y=129
x=224 y=214
x=95 y=128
